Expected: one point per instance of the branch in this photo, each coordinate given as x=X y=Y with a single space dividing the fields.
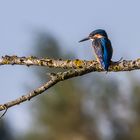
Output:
x=79 y=67
x=125 y=65
x=55 y=78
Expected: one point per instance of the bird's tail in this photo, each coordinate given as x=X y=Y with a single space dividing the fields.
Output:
x=104 y=65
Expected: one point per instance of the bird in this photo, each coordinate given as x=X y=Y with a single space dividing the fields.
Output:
x=102 y=47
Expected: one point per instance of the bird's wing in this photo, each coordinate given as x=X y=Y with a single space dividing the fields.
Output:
x=107 y=51
x=103 y=51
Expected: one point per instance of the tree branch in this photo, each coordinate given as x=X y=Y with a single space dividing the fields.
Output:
x=125 y=65
x=55 y=78
x=78 y=68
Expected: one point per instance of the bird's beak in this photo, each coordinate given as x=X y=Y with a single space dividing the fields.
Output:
x=85 y=39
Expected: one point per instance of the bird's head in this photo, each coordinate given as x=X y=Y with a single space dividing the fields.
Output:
x=99 y=33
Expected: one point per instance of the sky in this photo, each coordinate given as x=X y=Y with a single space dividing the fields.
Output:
x=68 y=21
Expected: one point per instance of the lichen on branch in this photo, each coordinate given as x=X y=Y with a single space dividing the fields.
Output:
x=75 y=68
x=125 y=65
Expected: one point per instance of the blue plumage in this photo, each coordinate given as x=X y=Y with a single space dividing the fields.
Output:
x=102 y=46
x=107 y=51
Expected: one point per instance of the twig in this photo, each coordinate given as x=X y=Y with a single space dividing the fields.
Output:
x=4 y=108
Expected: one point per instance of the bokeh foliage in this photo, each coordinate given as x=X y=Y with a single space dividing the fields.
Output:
x=85 y=108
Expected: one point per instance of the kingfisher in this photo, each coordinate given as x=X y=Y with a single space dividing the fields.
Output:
x=102 y=47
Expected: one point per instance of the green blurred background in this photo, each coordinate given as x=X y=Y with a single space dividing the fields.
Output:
x=96 y=106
